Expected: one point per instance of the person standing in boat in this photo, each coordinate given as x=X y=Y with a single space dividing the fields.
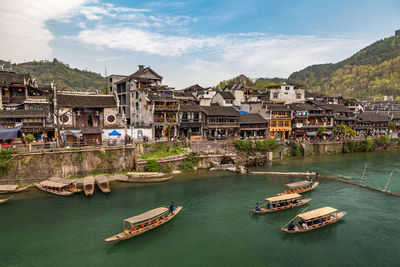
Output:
x=291 y=226
x=257 y=208
x=171 y=208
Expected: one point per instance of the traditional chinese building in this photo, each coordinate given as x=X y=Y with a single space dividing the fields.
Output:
x=221 y=123
x=280 y=121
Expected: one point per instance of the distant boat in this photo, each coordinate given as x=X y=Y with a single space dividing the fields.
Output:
x=73 y=185
x=88 y=185
x=314 y=219
x=12 y=188
x=4 y=200
x=144 y=179
x=282 y=202
x=56 y=188
x=102 y=183
x=300 y=187
x=144 y=222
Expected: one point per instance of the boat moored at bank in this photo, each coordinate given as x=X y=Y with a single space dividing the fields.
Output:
x=4 y=200
x=144 y=222
x=314 y=219
x=88 y=185
x=102 y=183
x=57 y=188
x=12 y=188
x=281 y=202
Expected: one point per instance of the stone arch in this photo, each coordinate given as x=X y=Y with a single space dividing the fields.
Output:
x=227 y=160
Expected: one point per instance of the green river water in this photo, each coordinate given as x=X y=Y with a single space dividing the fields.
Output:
x=216 y=227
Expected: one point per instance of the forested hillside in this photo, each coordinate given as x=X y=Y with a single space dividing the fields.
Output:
x=65 y=77
x=373 y=70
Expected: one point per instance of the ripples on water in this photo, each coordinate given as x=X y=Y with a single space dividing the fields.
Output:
x=216 y=227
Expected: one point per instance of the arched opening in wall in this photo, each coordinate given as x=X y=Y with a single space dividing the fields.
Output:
x=227 y=160
x=139 y=134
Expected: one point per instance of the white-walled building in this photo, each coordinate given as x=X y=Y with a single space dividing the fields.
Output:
x=287 y=93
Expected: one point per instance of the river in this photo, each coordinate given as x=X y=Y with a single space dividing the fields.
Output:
x=216 y=227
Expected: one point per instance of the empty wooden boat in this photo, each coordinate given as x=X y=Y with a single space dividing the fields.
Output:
x=314 y=219
x=281 y=202
x=300 y=187
x=144 y=222
x=4 y=200
x=145 y=174
x=88 y=185
x=102 y=183
x=56 y=188
x=144 y=179
x=12 y=188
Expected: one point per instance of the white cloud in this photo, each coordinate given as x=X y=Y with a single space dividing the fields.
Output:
x=23 y=30
x=224 y=56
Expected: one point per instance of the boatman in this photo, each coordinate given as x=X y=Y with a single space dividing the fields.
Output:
x=291 y=226
x=257 y=208
x=171 y=208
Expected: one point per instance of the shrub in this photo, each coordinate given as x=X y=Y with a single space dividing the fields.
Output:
x=267 y=145
x=29 y=138
x=366 y=145
x=189 y=164
x=383 y=141
x=296 y=149
x=321 y=130
x=152 y=166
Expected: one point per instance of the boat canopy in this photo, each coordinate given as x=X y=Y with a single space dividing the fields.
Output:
x=101 y=179
x=316 y=213
x=147 y=215
x=298 y=184
x=88 y=180
x=48 y=183
x=283 y=197
x=8 y=187
x=61 y=180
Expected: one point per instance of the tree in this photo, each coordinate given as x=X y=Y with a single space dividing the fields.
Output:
x=321 y=130
x=29 y=139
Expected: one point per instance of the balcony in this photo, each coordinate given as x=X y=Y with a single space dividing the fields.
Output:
x=166 y=107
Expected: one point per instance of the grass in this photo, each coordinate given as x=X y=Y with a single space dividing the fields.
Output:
x=163 y=150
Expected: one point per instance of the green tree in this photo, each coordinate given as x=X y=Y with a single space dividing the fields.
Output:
x=29 y=138
x=152 y=166
x=321 y=130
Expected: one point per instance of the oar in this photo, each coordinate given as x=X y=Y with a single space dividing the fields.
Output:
x=296 y=215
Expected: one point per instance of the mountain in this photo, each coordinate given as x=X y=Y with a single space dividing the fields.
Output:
x=66 y=78
x=372 y=71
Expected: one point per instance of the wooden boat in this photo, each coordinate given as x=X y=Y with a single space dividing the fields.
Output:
x=142 y=223
x=56 y=188
x=73 y=186
x=282 y=202
x=314 y=219
x=4 y=200
x=102 y=183
x=145 y=174
x=13 y=188
x=88 y=185
x=144 y=180
x=300 y=187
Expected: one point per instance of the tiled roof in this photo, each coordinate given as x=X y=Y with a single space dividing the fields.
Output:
x=251 y=118
x=86 y=101
x=216 y=110
x=226 y=95
x=372 y=117
x=191 y=107
x=7 y=78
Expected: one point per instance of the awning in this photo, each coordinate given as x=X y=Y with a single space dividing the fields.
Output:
x=147 y=215
x=311 y=133
x=283 y=197
x=114 y=133
x=328 y=133
x=9 y=133
x=317 y=213
x=298 y=184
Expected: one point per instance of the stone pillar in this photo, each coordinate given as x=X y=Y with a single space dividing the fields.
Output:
x=269 y=155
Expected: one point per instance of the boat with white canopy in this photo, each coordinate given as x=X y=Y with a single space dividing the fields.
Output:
x=281 y=202
x=144 y=222
x=12 y=188
x=300 y=187
x=102 y=183
x=56 y=188
x=88 y=185
x=314 y=219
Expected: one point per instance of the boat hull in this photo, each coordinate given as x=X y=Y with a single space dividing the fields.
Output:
x=340 y=215
x=145 y=180
x=266 y=210
x=65 y=193
x=129 y=234
x=15 y=191
x=4 y=200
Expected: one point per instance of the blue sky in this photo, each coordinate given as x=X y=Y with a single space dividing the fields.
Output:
x=190 y=42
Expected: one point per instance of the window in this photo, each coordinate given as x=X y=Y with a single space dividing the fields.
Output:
x=184 y=116
x=137 y=105
x=64 y=119
x=298 y=96
x=137 y=95
x=111 y=118
x=110 y=80
x=275 y=95
x=273 y=123
x=196 y=116
x=286 y=124
x=287 y=88
x=280 y=123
